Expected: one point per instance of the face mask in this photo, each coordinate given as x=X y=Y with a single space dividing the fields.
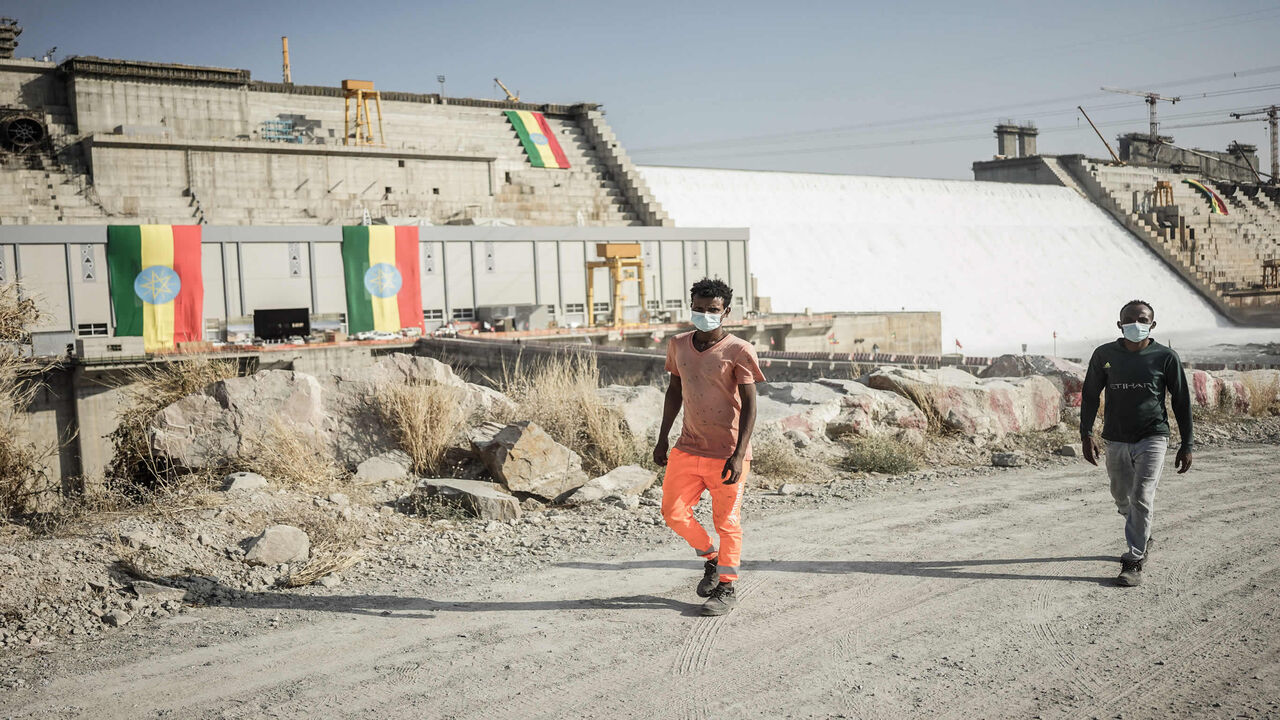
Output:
x=1136 y=332
x=706 y=322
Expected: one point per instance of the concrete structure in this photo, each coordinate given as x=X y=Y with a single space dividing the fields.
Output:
x=1015 y=141
x=532 y=277
x=1233 y=165
x=136 y=142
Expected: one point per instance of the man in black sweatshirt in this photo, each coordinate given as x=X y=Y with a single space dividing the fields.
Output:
x=1136 y=372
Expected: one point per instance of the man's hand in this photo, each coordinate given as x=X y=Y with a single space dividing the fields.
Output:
x=1183 y=461
x=1090 y=450
x=660 y=453
x=732 y=469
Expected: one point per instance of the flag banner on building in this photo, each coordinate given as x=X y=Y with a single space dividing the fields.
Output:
x=157 y=287
x=384 y=288
x=1216 y=205
x=538 y=140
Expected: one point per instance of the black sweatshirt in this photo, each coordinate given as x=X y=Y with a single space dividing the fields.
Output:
x=1136 y=383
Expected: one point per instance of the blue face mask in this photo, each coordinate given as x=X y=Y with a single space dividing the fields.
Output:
x=1136 y=332
x=706 y=322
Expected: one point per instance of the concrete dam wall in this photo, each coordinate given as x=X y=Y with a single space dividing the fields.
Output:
x=1006 y=264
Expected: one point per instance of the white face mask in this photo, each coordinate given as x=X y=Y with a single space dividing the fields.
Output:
x=706 y=322
x=1136 y=332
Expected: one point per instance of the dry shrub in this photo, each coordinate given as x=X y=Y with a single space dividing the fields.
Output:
x=774 y=456
x=559 y=395
x=426 y=421
x=148 y=390
x=22 y=459
x=334 y=547
x=925 y=398
x=1263 y=393
x=880 y=454
x=291 y=456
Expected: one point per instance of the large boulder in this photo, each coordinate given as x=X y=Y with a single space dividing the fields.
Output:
x=527 y=460
x=802 y=407
x=974 y=407
x=625 y=481
x=482 y=499
x=394 y=465
x=867 y=411
x=640 y=407
x=1246 y=389
x=1206 y=390
x=232 y=417
x=1066 y=375
x=279 y=544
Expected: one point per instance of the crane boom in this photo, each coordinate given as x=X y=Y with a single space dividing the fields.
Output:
x=510 y=97
x=1152 y=99
x=1270 y=112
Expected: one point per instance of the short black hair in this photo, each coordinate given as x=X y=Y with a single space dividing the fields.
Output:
x=1131 y=303
x=708 y=288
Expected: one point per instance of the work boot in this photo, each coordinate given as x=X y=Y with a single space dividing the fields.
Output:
x=710 y=575
x=1130 y=574
x=723 y=599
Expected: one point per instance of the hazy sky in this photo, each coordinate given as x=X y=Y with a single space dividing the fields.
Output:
x=887 y=88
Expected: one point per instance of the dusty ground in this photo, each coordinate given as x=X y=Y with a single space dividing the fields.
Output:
x=981 y=595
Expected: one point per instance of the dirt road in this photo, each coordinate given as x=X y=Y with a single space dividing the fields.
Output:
x=980 y=597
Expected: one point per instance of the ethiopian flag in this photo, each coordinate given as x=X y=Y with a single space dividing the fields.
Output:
x=538 y=140
x=156 y=282
x=380 y=265
x=1216 y=205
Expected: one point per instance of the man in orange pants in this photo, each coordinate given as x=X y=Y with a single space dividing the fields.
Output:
x=713 y=376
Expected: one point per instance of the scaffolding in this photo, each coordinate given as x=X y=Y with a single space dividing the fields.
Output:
x=625 y=263
x=361 y=91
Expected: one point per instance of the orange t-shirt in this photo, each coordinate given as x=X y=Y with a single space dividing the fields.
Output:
x=709 y=382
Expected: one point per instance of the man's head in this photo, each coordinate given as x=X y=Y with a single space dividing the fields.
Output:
x=1137 y=313
x=711 y=297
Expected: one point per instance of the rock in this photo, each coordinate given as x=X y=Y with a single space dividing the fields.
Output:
x=640 y=408
x=626 y=502
x=231 y=418
x=482 y=499
x=393 y=465
x=625 y=481
x=138 y=540
x=1243 y=390
x=386 y=510
x=1006 y=459
x=329 y=581
x=1072 y=451
x=965 y=404
x=279 y=544
x=531 y=505
x=788 y=489
x=156 y=592
x=805 y=407
x=1066 y=375
x=117 y=618
x=867 y=411
x=798 y=438
x=244 y=481
x=339 y=499
x=525 y=459
x=1206 y=390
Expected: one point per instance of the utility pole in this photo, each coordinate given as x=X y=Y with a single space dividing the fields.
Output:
x=1270 y=112
x=1152 y=99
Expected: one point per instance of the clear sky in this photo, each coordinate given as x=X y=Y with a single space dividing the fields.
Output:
x=885 y=88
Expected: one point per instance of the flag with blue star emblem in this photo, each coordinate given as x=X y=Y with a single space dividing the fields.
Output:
x=157 y=286
x=380 y=266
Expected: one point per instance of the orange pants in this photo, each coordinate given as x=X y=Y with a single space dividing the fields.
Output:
x=687 y=476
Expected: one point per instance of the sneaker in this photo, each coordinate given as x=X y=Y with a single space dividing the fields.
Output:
x=710 y=576
x=723 y=599
x=1130 y=574
x=1151 y=543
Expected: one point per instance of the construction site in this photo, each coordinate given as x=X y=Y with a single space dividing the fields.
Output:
x=351 y=395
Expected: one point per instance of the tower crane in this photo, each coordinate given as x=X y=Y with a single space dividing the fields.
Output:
x=1270 y=112
x=510 y=97
x=1152 y=99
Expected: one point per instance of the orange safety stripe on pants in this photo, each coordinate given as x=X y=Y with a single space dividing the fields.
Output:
x=686 y=477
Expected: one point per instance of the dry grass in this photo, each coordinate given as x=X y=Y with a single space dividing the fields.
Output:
x=1263 y=393
x=148 y=390
x=925 y=398
x=291 y=456
x=427 y=421
x=559 y=395
x=880 y=454
x=22 y=459
x=774 y=456
x=334 y=547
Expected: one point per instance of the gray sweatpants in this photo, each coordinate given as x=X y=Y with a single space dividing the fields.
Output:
x=1135 y=471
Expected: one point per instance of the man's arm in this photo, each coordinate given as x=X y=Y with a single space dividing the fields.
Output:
x=670 y=408
x=1095 y=378
x=746 y=426
x=1175 y=381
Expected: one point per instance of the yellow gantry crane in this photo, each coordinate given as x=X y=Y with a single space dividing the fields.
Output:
x=625 y=263
x=361 y=91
